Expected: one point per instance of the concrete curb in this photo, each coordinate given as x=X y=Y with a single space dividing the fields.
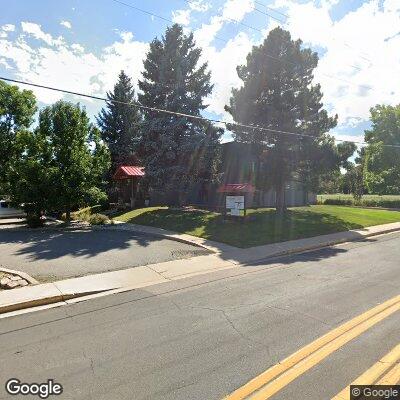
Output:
x=323 y=245
x=85 y=287
x=50 y=298
x=210 y=245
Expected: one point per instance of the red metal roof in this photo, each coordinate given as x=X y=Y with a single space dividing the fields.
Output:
x=128 y=171
x=237 y=188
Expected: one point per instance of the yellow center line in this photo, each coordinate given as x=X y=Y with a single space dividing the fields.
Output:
x=371 y=375
x=284 y=372
x=392 y=377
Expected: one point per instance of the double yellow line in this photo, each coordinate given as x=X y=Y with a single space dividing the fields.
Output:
x=275 y=378
x=385 y=372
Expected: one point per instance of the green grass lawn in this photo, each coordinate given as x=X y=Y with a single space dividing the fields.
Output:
x=264 y=225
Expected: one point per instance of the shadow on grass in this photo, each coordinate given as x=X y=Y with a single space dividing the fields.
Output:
x=261 y=227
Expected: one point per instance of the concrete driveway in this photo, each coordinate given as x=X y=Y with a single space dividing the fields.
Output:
x=50 y=255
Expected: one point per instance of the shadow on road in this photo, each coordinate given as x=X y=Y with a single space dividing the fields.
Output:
x=52 y=244
x=313 y=255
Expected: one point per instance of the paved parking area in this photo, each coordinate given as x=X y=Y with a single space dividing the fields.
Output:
x=50 y=255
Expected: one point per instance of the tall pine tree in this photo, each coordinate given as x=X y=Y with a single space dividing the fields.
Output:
x=278 y=93
x=120 y=123
x=176 y=150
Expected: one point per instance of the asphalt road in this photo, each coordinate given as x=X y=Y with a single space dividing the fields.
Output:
x=203 y=337
x=54 y=254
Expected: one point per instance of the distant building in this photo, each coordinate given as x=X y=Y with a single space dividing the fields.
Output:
x=239 y=165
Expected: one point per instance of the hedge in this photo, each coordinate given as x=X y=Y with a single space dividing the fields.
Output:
x=364 y=202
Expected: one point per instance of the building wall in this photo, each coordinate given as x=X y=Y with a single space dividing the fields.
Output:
x=239 y=165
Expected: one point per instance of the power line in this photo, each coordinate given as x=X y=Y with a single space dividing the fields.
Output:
x=270 y=8
x=179 y=114
x=155 y=15
x=254 y=28
x=268 y=15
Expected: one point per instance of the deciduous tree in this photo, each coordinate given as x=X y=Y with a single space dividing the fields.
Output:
x=382 y=163
x=17 y=108
x=61 y=163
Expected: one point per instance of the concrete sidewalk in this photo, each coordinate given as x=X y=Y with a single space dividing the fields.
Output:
x=138 y=277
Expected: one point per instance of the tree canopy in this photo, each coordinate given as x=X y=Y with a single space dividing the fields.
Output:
x=278 y=94
x=176 y=150
x=382 y=163
x=61 y=163
x=120 y=123
x=17 y=108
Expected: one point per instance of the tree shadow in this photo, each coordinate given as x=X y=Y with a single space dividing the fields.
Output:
x=51 y=244
x=260 y=227
x=310 y=255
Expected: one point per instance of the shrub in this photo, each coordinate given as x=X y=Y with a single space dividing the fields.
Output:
x=84 y=213
x=339 y=202
x=34 y=220
x=390 y=203
x=98 y=219
x=95 y=196
x=365 y=202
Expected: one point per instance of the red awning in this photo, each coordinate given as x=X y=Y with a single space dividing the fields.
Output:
x=128 y=171
x=237 y=188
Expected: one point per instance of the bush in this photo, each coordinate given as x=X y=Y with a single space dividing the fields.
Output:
x=365 y=202
x=390 y=203
x=84 y=213
x=98 y=219
x=338 y=202
x=96 y=196
x=34 y=220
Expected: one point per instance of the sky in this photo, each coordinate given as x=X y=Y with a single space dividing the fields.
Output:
x=81 y=45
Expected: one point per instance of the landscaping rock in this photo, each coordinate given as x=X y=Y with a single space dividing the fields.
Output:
x=10 y=281
x=22 y=283
x=12 y=284
x=4 y=281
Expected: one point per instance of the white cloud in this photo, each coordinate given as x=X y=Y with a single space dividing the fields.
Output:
x=181 y=17
x=5 y=29
x=360 y=39
x=237 y=9
x=233 y=10
x=358 y=67
x=200 y=5
x=222 y=64
x=8 y=28
x=70 y=66
x=66 y=24
x=35 y=30
x=77 y=47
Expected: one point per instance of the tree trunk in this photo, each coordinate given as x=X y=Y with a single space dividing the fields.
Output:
x=280 y=203
x=68 y=214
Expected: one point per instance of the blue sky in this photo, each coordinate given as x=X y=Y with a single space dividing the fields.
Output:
x=82 y=45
